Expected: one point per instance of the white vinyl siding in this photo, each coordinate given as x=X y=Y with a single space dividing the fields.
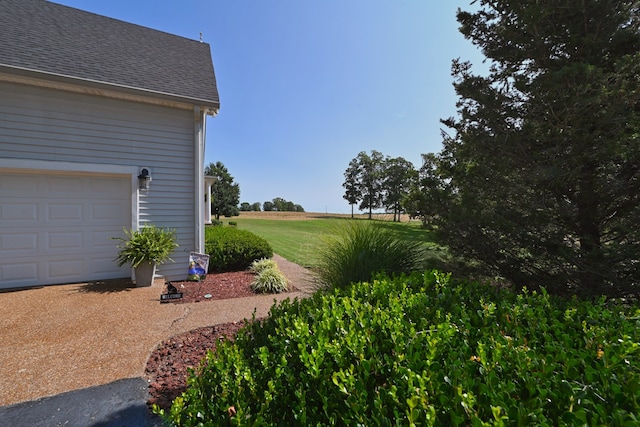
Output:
x=49 y=125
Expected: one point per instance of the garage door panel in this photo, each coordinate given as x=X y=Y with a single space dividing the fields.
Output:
x=103 y=212
x=58 y=229
x=60 y=186
x=19 y=273
x=70 y=240
x=104 y=268
x=65 y=269
x=11 y=185
x=110 y=188
x=71 y=211
x=18 y=212
x=103 y=239
x=10 y=243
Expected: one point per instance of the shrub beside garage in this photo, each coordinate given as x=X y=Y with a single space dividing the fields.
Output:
x=232 y=249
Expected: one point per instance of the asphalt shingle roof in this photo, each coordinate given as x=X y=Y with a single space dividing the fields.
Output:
x=41 y=36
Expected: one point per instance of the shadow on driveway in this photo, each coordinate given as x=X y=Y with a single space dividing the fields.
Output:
x=121 y=403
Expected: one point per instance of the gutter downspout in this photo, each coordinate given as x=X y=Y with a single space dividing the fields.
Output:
x=199 y=120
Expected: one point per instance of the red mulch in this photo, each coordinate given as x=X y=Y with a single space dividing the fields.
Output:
x=167 y=366
x=166 y=369
x=234 y=284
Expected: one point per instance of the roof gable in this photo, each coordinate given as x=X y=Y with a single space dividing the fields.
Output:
x=49 y=38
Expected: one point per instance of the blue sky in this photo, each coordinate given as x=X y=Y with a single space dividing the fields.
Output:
x=305 y=85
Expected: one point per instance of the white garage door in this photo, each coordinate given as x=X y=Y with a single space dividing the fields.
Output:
x=57 y=228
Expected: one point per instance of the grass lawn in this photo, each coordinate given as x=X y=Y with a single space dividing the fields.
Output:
x=297 y=237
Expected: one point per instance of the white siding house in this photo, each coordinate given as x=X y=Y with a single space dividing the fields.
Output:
x=81 y=114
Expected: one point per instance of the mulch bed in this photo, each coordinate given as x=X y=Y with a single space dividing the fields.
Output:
x=234 y=284
x=166 y=370
x=167 y=367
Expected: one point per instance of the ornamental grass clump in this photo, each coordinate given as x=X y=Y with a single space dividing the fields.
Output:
x=259 y=265
x=269 y=278
x=360 y=249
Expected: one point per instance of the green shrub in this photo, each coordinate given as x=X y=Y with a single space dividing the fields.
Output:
x=217 y=223
x=359 y=249
x=148 y=244
x=231 y=249
x=233 y=223
x=259 y=265
x=270 y=280
x=421 y=350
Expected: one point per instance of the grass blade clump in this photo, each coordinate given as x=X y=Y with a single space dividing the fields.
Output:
x=259 y=265
x=359 y=249
x=270 y=280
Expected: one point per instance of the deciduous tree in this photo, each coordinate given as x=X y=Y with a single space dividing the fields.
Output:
x=363 y=181
x=268 y=206
x=426 y=195
x=351 y=184
x=397 y=177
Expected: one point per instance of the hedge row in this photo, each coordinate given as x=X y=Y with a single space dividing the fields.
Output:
x=421 y=350
x=231 y=249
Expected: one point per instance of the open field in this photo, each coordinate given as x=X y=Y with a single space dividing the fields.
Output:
x=315 y=215
x=297 y=236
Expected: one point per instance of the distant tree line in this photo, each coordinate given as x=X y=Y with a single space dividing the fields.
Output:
x=250 y=207
x=225 y=196
x=278 y=204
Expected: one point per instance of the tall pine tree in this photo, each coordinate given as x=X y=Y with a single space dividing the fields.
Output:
x=225 y=194
x=542 y=164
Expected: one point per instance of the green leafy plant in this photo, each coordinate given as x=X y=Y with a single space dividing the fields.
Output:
x=359 y=249
x=270 y=280
x=423 y=350
x=262 y=264
x=148 y=244
x=232 y=249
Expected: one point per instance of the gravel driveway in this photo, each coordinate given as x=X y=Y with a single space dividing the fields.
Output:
x=61 y=338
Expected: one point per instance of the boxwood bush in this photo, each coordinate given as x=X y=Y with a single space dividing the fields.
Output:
x=232 y=249
x=422 y=350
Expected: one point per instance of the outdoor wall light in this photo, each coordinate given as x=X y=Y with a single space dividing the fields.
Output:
x=144 y=179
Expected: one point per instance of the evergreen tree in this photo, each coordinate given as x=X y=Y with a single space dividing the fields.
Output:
x=225 y=195
x=543 y=166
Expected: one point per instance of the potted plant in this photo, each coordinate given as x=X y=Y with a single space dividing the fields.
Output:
x=144 y=249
